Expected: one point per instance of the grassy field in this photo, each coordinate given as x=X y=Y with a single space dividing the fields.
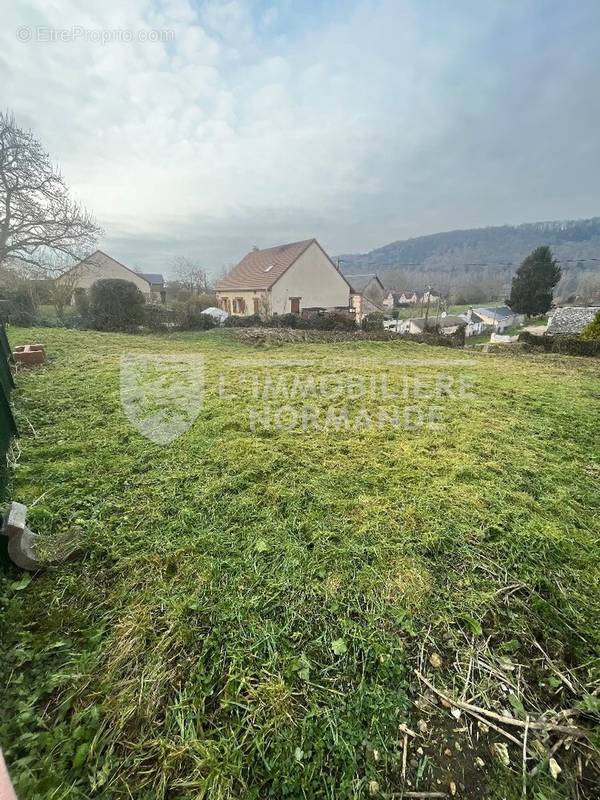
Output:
x=419 y=309
x=249 y=607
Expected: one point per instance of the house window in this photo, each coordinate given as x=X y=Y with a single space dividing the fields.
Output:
x=239 y=305
x=295 y=305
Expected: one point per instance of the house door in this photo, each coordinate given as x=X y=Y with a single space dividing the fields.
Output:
x=295 y=303
x=256 y=306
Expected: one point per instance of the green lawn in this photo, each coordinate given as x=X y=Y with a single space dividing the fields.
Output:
x=419 y=310
x=249 y=607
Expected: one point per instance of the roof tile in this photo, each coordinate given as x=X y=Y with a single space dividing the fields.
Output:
x=260 y=269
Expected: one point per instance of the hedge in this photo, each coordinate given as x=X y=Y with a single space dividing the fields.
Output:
x=567 y=345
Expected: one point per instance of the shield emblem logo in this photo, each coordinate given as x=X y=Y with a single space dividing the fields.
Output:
x=161 y=395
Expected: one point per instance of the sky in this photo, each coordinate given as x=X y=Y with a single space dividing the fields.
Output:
x=201 y=129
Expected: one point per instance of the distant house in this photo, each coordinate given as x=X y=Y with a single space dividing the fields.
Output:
x=407 y=297
x=499 y=319
x=367 y=294
x=570 y=320
x=156 y=281
x=283 y=280
x=430 y=297
x=475 y=325
x=388 y=301
x=99 y=265
x=447 y=324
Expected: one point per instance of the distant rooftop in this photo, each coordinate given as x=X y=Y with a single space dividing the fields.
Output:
x=501 y=312
x=359 y=283
x=260 y=269
x=449 y=321
x=571 y=320
x=152 y=277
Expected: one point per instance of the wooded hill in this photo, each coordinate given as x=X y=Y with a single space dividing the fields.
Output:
x=482 y=261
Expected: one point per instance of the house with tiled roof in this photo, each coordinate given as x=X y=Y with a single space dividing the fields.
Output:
x=570 y=320
x=282 y=280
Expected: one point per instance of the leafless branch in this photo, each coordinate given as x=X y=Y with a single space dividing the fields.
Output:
x=38 y=219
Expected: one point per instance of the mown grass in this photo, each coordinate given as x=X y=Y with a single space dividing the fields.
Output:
x=249 y=606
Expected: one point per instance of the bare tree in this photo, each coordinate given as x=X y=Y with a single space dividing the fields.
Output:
x=38 y=218
x=62 y=283
x=190 y=275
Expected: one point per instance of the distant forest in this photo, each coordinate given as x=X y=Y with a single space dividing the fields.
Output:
x=478 y=264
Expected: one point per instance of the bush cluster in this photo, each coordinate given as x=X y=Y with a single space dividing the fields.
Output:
x=116 y=305
x=190 y=316
x=17 y=306
x=373 y=321
x=251 y=321
x=568 y=345
x=592 y=331
x=318 y=322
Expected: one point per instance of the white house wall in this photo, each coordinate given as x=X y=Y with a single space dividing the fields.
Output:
x=88 y=272
x=312 y=278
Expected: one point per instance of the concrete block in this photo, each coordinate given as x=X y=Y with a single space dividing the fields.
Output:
x=21 y=550
x=14 y=519
x=29 y=354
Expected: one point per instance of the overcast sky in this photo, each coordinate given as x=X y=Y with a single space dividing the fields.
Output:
x=356 y=121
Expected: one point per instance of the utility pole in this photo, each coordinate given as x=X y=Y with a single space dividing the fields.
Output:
x=437 y=313
x=427 y=309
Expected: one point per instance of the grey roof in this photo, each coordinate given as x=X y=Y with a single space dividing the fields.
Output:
x=449 y=321
x=474 y=317
x=571 y=320
x=152 y=277
x=502 y=312
x=358 y=283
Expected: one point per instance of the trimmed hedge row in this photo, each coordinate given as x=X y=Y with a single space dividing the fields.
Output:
x=316 y=322
x=568 y=345
x=263 y=335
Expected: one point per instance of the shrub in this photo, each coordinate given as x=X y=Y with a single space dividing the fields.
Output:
x=82 y=303
x=286 y=321
x=373 y=321
x=116 y=305
x=158 y=318
x=18 y=307
x=251 y=321
x=592 y=331
x=434 y=338
x=205 y=300
x=190 y=317
x=330 y=322
x=459 y=336
x=575 y=346
x=568 y=345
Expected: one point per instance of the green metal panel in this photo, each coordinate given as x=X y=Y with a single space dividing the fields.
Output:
x=4 y=343
x=8 y=427
x=6 y=379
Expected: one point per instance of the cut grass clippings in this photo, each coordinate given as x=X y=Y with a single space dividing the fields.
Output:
x=249 y=607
